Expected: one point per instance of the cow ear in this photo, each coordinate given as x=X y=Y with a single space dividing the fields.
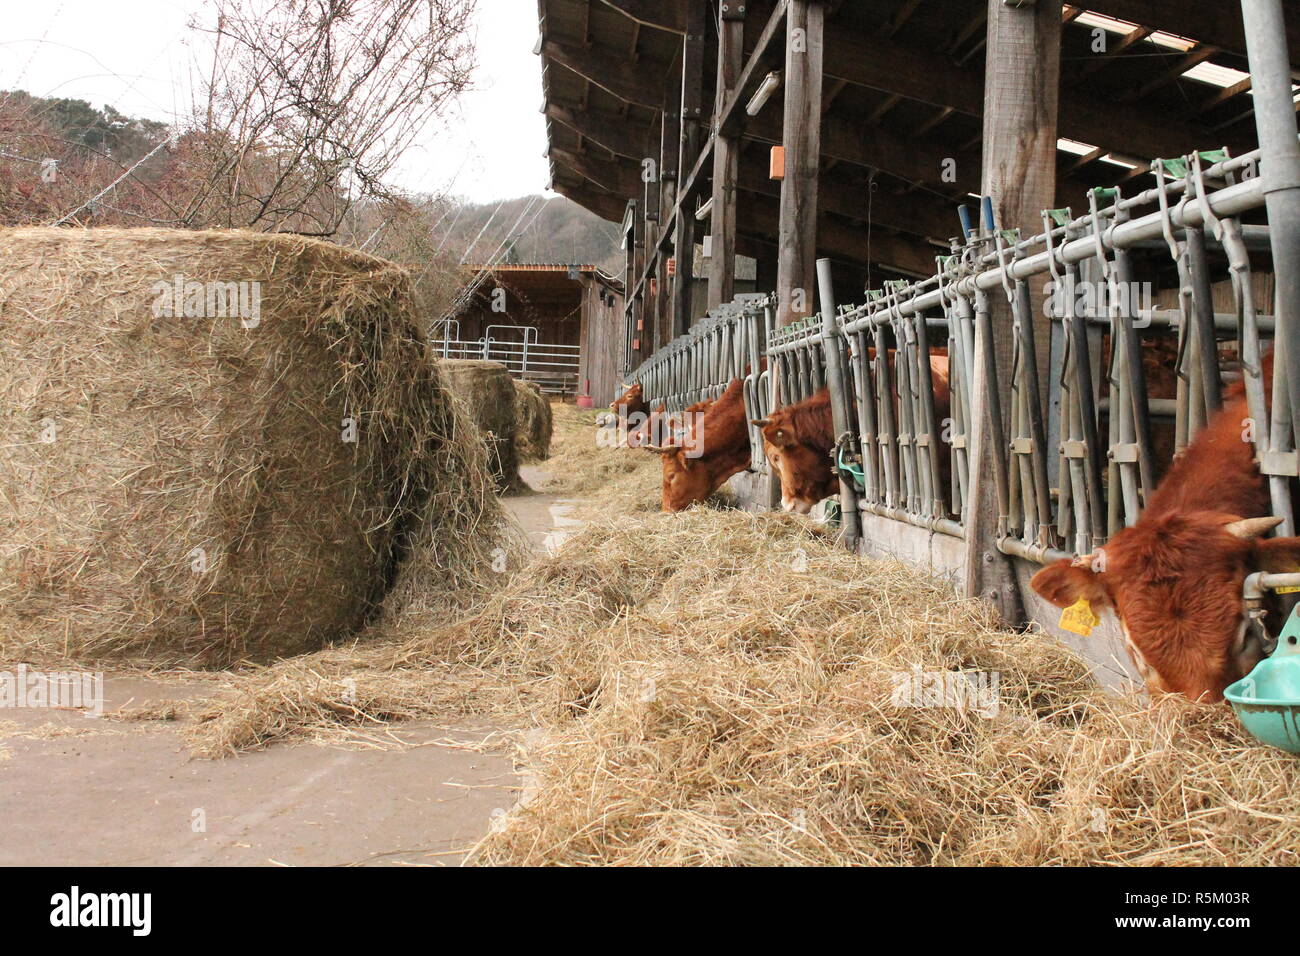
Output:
x=1064 y=582
x=1277 y=555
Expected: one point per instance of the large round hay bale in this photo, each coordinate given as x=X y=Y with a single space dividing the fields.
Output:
x=217 y=444
x=488 y=392
x=533 y=422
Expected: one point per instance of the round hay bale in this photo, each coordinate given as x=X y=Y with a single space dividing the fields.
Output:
x=218 y=444
x=488 y=392
x=533 y=422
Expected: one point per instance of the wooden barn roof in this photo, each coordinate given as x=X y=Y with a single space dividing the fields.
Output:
x=903 y=92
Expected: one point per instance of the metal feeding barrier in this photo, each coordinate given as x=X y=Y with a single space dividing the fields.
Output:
x=1076 y=459
x=728 y=343
x=910 y=368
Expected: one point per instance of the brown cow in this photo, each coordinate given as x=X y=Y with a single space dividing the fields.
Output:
x=799 y=439
x=1174 y=579
x=631 y=402
x=712 y=448
x=663 y=427
x=648 y=431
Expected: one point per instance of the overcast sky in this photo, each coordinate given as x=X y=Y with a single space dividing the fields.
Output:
x=135 y=56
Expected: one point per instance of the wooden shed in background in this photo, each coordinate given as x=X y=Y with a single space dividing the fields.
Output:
x=560 y=325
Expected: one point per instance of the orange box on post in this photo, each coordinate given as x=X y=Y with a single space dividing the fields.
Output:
x=777 y=167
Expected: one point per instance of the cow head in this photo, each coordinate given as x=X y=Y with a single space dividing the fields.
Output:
x=631 y=400
x=648 y=431
x=687 y=480
x=805 y=472
x=1175 y=582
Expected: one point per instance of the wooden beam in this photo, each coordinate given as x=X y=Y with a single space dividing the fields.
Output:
x=1197 y=54
x=692 y=113
x=619 y=178
x=669 y=15
x=1021 y=82
x=760 y=217
x=797 y=243
x=921 y=160
x=726 y=157
x=854 y=197
x=1114 y=47
x=621 y=136
x=1217 y=23
x=764 y=57
x=669 y=157
x=606 y=205
x=917 y=74
x=637 y=83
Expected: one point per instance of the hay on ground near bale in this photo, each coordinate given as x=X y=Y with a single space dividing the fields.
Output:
x=533 y=422
x=488 y=393
x=720 y=687
x=232 y=475
x=587 y=462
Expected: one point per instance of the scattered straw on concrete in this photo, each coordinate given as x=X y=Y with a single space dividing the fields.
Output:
x=236 y=474
x=718 y=687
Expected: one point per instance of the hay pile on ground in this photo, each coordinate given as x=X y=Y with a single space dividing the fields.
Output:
x=719 y=687
x=488 y=394
x=589 y=462
x=533 y=422
x=584 y=463
x=234 y=472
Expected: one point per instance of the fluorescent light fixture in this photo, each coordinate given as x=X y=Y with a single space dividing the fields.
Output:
x=771 y=83
x=1090 y=19
x=1171 y=40
x=1120 y=161
x=1215 y=75
x=1074 y=146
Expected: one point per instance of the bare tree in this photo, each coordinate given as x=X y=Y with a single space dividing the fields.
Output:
x=309 y=103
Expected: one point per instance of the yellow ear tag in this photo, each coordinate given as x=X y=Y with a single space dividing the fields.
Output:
x=1079 y=619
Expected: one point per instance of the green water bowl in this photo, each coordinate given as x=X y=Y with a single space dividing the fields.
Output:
x=1267 y=700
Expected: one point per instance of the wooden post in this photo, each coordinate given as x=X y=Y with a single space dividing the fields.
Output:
x=669 y=155
x=630 y=354
x=643 y=331
x=692 y=117
x=1021 y=80
x=797 y=246
x=726 y=156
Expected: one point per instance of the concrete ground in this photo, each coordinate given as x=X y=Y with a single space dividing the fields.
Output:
x=87 y=791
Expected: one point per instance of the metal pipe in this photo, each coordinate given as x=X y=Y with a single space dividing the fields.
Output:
x=836 y=381
x=1229 y=201
x=1270 y=70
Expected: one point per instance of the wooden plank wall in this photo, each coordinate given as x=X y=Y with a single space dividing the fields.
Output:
x=603 y=342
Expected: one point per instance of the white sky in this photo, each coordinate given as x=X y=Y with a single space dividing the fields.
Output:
x=135 y=55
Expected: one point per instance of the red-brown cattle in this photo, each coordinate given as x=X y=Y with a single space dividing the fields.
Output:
x=648 y=431
x=1174 y=579
x=664 y=427
x=631 y=402
x=798 y=440
x=713 y=447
